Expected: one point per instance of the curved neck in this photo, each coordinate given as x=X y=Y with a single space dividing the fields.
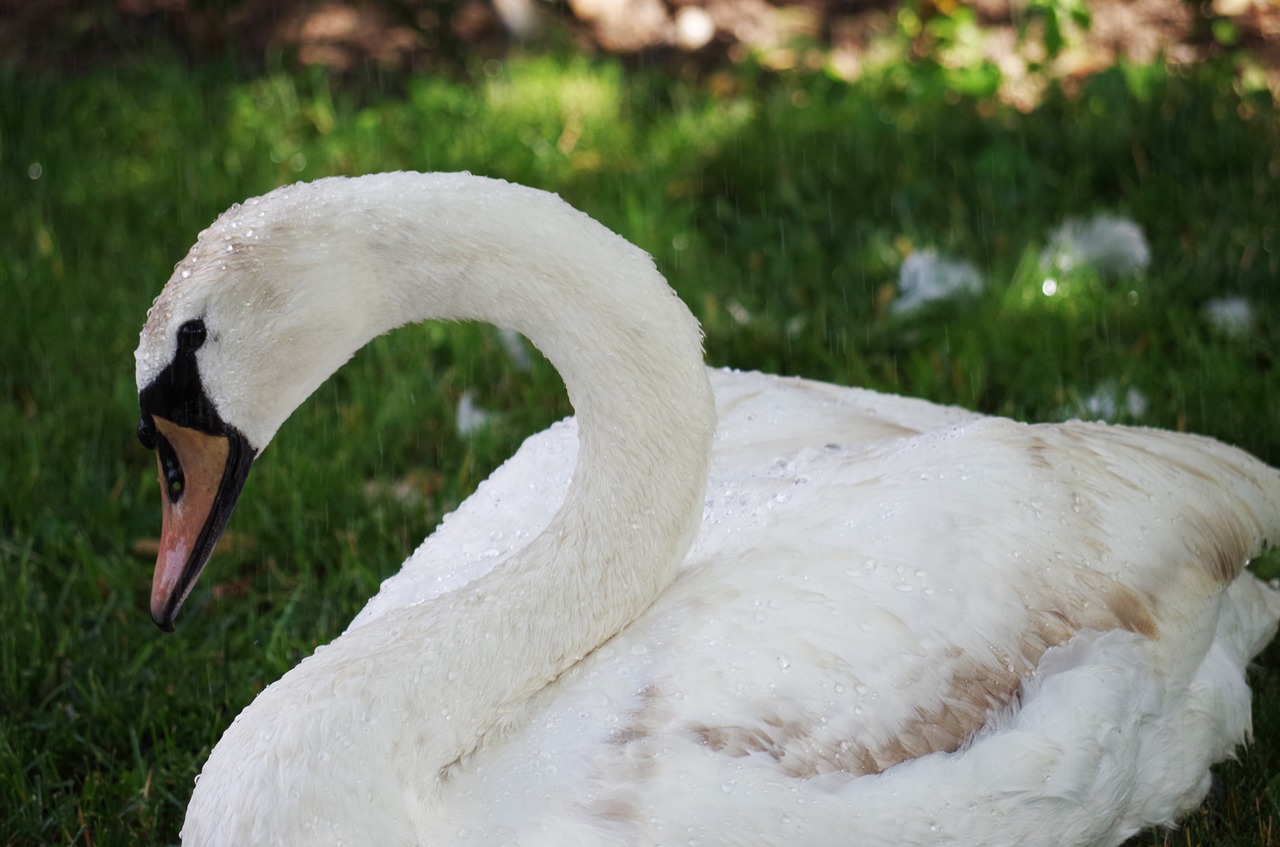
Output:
x=454 y=669
x=627 y=348
x=630 y=355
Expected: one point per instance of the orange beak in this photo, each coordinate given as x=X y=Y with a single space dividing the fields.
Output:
x=201 y=477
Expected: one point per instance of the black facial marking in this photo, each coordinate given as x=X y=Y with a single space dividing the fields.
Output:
x=177 y=394
x=147 y=431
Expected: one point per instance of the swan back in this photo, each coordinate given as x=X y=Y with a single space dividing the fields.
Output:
x=844 y=607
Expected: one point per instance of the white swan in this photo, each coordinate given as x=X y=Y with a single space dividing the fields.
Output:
x=836 y=617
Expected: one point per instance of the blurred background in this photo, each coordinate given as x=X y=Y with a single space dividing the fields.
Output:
x=1044 y=209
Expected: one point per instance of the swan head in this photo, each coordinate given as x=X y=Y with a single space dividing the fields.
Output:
x=281 y=290
x=265 y=306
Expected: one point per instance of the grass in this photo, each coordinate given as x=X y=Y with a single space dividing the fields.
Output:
x=780 y=207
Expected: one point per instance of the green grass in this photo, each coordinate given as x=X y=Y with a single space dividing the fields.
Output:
x=780 y=211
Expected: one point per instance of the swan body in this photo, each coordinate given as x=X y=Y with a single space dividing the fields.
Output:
x=714 y=607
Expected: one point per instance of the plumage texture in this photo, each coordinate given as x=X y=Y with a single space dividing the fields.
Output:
x=883 y=622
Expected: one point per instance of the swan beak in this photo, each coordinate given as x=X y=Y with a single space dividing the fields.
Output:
x=201 y=477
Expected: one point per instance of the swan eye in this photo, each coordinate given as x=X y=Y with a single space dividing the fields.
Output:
x=191 y=335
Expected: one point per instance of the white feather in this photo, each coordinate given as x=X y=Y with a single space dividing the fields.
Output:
x=884 y=622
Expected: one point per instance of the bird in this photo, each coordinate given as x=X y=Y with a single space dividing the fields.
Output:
x=713 y=606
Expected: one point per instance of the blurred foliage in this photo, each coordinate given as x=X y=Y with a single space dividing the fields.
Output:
x=781 y=206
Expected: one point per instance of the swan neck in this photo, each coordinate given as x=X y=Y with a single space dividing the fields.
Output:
x=310 y=274
x=630 y=355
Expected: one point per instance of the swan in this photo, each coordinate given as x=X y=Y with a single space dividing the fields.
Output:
x=713 y=607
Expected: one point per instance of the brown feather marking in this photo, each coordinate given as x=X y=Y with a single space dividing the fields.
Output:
x=979 y=688
x=616 y=809
x=1087 y=599
x=1230 y=554
x=1130 y=611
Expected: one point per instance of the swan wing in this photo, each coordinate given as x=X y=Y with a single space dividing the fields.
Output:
x=893 y=609
x=766 y=414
